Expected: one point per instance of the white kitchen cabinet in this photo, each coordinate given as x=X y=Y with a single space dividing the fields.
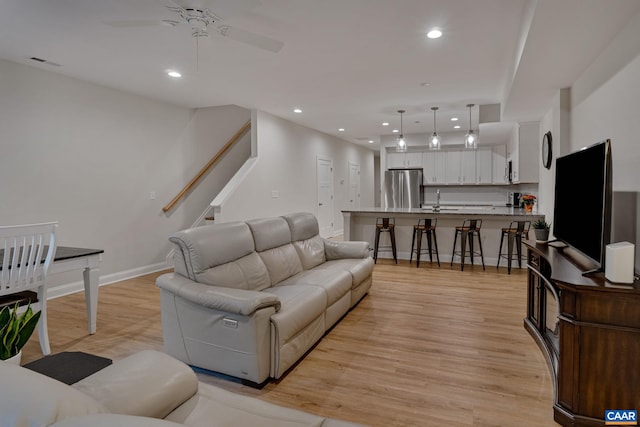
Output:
x=404 y=160
x=434 y=164
x=413 y=160
x=524 y=153
x=395 y=160
x=499 y=164
x=484 y=168
x=453 y=173
x=529 y=141
x=468 y=166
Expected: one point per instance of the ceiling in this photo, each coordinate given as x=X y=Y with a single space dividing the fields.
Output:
x=346 y=63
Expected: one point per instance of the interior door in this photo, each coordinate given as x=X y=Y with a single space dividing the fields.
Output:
x=354 y=185
x=324 y=181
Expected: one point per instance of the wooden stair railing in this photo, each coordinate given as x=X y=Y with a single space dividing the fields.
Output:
x=204 y=170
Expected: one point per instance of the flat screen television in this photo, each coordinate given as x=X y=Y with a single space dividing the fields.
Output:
x=582 y=212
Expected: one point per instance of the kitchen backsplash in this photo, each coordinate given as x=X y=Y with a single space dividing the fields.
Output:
x=477 y=194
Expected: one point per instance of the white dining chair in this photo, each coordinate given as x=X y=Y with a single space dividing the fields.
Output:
x=26 y=252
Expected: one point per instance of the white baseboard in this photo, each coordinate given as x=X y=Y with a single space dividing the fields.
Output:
x=71 y=288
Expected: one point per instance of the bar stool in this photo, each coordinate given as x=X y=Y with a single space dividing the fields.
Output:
x=468 y=229
x=425 y=226
x=385 y=225
x=515 y=232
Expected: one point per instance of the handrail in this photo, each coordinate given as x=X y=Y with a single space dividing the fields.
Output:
x=204 y=170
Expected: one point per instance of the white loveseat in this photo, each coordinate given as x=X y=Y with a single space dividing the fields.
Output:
x=249 y=299
x=147 y=389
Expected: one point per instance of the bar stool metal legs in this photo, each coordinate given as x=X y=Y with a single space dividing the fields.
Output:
x=385 y=225
x=515 y=232
x=469 y=229
x=425 y=226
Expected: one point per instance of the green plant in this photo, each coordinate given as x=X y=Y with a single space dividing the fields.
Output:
x=15 y=330
x=541 y=224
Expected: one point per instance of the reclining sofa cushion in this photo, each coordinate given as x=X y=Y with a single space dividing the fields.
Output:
x=297 y=326
x=272 y=239
x=339 y=250
x=248 y=272
x=220 y=255
x=336 y=282
x=306 y=239
x=359 y=269
x=32 y=399
x=147 y=384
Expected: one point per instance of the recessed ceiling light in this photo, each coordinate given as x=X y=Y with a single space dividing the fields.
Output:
x=385 y=124
x=456 y=127
x=425 y=84
x=341 y=130
x=174 y=74
x=371 y=141
x=434 y=34
x=395 y=131
x=454 y=119
x=297 y=110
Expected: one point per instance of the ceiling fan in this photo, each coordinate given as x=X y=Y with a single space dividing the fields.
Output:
x=204 y=21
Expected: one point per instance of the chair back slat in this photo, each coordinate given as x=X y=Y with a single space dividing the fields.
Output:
x=27 y=253
x=472 y=225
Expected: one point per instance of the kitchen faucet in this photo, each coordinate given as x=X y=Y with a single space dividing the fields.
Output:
x=436 y=207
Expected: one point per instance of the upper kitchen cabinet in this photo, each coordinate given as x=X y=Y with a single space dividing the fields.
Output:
x=484 y=165
x=404 y=160
x=468 y=167
x=434 y=164
x=499 y=164
x=453 y=171
x=524 y=153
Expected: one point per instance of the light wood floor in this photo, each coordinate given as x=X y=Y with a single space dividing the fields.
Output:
x=427 y=347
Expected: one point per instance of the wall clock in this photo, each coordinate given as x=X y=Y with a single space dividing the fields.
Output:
x=547 y=150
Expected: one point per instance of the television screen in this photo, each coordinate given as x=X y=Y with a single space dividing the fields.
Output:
x=582 y=213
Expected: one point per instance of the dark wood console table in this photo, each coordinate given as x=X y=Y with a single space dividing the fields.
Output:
x=589 y=331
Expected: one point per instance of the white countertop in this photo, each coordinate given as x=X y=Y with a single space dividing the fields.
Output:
x=488 y=210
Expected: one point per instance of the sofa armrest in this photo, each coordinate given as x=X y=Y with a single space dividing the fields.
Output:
x=147 y=384
x=339 y=249
x=230 y=300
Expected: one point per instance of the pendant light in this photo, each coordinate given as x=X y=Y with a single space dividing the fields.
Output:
x=434 y=140
x=401 y=145
x=471 y=138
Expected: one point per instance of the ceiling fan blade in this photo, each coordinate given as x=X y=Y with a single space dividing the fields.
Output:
x=253 y=39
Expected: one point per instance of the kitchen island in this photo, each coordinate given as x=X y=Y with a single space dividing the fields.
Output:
x=359 y=224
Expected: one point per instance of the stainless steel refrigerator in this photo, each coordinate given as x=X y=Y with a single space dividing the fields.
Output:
x=403 y=188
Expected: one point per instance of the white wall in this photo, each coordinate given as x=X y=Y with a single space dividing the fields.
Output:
x=286 y=163
x=557 y=120
x=89 y=157
x=612 y=112
x=603 y=105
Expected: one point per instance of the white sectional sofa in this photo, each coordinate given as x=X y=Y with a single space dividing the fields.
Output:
x=249 y=299
x=147 y=389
